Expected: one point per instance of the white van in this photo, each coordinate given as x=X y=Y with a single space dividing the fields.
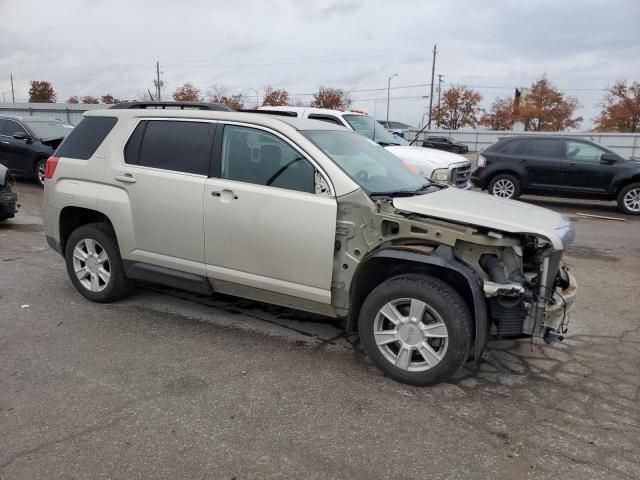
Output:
x=436 y=165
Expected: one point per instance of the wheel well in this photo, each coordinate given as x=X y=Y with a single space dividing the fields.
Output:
x=634 y=179
x=73 y=217
x=377 y=270
x=505 y=172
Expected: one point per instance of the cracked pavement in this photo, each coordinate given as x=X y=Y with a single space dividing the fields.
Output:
x=168 y=384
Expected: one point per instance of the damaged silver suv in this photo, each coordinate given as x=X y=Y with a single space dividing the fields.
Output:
x=308 y=215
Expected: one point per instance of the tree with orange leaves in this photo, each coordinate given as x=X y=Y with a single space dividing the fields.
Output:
x=500 y=116
x=547 y=109
x=459 y=107
x=620 y=109
x=275 y=98
x=187 y=93
x=333 y=98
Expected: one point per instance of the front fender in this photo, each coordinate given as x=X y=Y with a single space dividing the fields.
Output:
x=442 y=262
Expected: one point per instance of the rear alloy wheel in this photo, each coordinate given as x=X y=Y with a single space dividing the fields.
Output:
x=94 y=264
x=629 y=199
x=416 y=329
x=505 y=186
x=40 y=169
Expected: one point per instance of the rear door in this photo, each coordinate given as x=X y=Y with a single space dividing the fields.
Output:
x=543 y=161
x=265 y=225
x=166 y=162
x=583 y=171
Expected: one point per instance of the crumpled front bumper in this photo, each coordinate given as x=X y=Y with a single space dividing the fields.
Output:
x=8 y=202
x=557 y=314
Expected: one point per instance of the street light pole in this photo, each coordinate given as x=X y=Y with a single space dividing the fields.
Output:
x=388 y=95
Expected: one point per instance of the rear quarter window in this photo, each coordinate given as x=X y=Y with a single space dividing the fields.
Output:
x=85 y=139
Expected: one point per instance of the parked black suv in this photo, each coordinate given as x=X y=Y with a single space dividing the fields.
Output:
x=27 y=142
x=558 y=166
x=444 y=143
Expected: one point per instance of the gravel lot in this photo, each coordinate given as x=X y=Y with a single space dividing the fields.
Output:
x=172 y=385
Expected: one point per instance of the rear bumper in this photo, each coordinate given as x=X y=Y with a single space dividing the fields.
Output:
x=480 y=178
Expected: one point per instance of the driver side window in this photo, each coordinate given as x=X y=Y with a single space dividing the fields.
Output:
x=255 y=156
x=583 y=152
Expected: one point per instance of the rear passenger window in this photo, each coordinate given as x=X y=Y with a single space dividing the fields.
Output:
x=85 y=139
x=254 y=156
x=544 y=148
x=171 y=145
x=512 y=148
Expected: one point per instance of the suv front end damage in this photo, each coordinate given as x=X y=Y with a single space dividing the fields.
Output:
x=8 y=199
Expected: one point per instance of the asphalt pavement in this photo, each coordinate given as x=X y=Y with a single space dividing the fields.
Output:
x=168 y=384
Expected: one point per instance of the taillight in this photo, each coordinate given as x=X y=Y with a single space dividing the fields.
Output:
x=482 y=162
x=52 y=163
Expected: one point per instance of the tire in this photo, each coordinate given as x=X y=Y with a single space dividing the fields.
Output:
x=96 y=285
x=455 y=150
x=505 y=186
x=404 y=338
x=39 y=168
x=629 y=199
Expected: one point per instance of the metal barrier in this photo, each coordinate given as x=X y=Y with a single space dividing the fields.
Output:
x=625 y=144
x=68 y=112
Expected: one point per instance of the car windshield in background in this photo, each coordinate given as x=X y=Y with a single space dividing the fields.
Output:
x=368 y=127
x=369 y=165
x=49 y=129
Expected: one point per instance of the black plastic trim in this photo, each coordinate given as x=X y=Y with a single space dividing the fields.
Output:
x=54 y=244
x=167 y=276
x=220 y=107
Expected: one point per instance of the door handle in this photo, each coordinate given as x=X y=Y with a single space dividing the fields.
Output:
x=571 y=164
x=126 y=178
x=226 y=194
x=5 y=142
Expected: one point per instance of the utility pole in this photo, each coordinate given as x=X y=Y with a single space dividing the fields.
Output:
x=13 y=95
x=388 y=95
x=439 y=88
x=159 y=84
x=433 y=72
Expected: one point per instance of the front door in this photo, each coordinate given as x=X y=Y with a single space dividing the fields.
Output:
x=583 y=171
x=265 y=226
x=15 y=154
x=166 y=163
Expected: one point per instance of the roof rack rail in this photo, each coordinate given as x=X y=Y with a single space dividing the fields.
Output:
x=180 y=105
x=266 y=111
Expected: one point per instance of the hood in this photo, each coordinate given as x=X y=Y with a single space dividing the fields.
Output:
x=419 y=156
x=483 y=210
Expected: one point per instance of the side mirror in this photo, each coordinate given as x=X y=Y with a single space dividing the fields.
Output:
x=609 y=158
x=21 y=136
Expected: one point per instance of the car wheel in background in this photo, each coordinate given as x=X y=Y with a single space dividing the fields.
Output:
x=39 y=169
x=455 y=150
x=629 y=199
x=504 y=186
x=416 y=329
x=94 y=264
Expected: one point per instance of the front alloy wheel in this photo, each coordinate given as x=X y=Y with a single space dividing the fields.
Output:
x=503 y=188
x=40 y=170
x=416 y=329
x=629 y=199
x=411 y=334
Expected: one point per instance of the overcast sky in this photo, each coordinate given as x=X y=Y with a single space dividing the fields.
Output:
x=93 y=47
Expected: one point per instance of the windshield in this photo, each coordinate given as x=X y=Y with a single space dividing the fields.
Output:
x=369 y=165
x=49 y=129
x=368 y=127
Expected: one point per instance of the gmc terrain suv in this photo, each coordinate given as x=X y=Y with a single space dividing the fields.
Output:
x=561 y=167
x=309 y=215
